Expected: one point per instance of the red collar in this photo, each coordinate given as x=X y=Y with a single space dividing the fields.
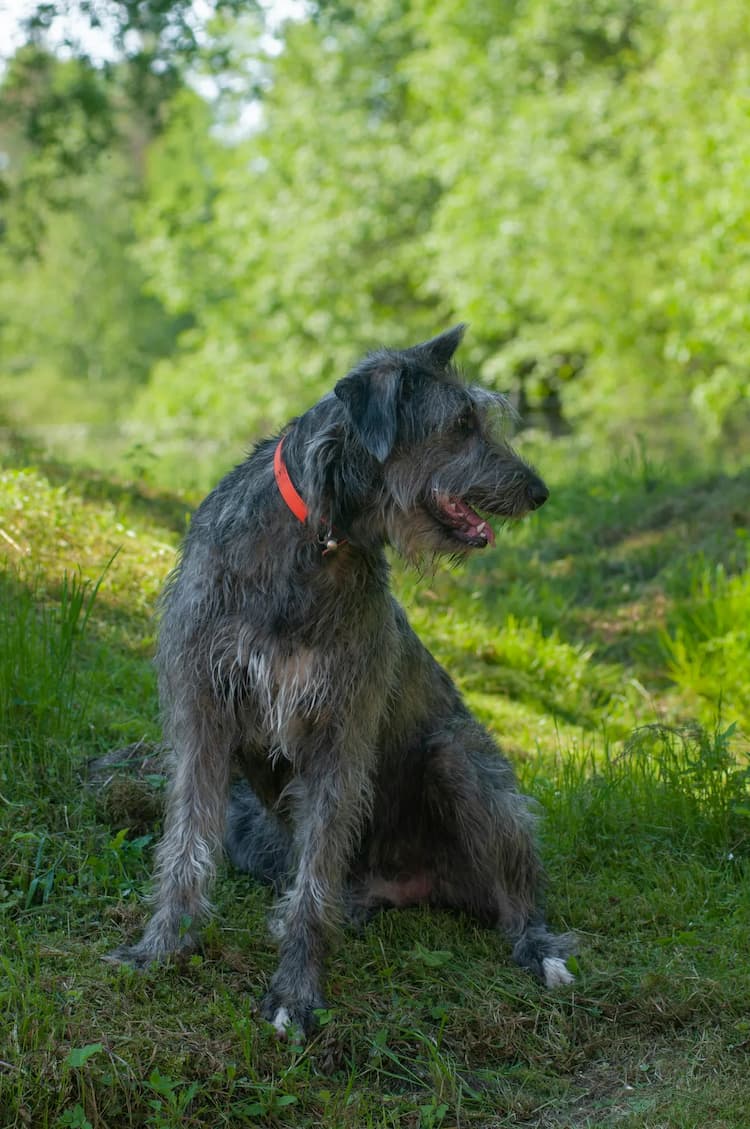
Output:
x=286 y=486
x=326 y=539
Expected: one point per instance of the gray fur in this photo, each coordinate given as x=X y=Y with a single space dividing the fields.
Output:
x=369 y=782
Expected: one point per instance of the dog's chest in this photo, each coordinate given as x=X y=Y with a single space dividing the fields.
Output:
x=330 y=648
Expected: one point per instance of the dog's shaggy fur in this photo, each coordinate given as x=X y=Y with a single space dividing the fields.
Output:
x=283 y=650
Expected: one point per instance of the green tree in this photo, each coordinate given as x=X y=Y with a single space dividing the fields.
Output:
x=296 y=246
x=568 y=175
x=592 y=205
x=77 y=330
x=545 y=169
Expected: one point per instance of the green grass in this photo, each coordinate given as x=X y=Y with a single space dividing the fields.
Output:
x=605 y=643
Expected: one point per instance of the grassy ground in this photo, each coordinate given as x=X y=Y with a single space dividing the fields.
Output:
x=606 y=642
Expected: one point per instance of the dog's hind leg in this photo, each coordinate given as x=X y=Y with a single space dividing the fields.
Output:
x=495 y=872
x=256 y=840
x=194 y=822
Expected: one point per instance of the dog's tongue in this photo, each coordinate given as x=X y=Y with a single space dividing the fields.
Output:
x=469 y=523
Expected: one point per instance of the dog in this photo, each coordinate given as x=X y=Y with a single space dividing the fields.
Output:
x=283 y=651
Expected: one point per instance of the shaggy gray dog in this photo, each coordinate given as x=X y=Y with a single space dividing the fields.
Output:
x=282 y=651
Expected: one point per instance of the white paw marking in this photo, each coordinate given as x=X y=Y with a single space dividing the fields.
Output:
x=556 y=972
x=282 y=1022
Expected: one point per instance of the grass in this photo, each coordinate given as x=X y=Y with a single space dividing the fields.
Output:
x=606 y=644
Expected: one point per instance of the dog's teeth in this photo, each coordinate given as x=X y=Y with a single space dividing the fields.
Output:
x=481 y=528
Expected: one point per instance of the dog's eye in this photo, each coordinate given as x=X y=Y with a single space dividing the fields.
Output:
x=466 y=422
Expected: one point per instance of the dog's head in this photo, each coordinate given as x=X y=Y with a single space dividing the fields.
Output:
x=440 y=457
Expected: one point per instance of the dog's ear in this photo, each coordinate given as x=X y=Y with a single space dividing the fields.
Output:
x=440 y=349
x=370 y=394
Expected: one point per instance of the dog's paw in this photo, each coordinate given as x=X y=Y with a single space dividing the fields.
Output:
x=545 y=955
x=135 y=956
x=556 y=972
x=289 y=1017
x=282 y=1023
x=145 y=953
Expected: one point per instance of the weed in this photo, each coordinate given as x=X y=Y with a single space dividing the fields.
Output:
x=42 y=700
x=172 y=1101
x=708 y=640
x=74 y=1118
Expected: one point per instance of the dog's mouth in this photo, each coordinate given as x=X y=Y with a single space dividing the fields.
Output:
x=463 y=523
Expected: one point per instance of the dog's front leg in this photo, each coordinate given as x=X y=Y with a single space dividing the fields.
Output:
x=193 y=828
x=330 y=798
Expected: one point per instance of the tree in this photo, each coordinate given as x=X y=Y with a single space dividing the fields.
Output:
x=553 y=171
x=303 y=244
x=77 y=330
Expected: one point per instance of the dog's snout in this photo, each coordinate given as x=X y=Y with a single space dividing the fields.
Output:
x=537 y=492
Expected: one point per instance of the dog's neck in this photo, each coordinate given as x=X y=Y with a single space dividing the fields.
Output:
x=333 y=480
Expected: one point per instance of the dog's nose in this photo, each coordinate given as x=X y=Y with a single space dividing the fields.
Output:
x=537 y=492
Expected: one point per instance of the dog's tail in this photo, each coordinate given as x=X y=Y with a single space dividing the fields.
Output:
x=256 y=840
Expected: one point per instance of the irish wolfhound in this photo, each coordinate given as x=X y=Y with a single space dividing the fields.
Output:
x=283 y=651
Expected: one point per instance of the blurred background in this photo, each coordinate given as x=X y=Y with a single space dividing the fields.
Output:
x=208 y=211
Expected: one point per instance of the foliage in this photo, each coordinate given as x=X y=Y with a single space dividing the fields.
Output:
x=554 y=173
x=155 y=39
x=77 y=330
x=296 y=236
x=567 y=176
x=56 y=119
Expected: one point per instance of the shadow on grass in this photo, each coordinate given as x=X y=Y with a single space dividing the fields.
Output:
x=603 y=560
x=156 y=505
x=72 y=670
x=607 y=511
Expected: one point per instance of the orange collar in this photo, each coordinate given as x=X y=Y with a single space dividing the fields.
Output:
x=326 y=539
x=286 y=487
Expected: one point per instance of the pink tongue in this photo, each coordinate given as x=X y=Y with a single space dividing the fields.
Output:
x=474 y=521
